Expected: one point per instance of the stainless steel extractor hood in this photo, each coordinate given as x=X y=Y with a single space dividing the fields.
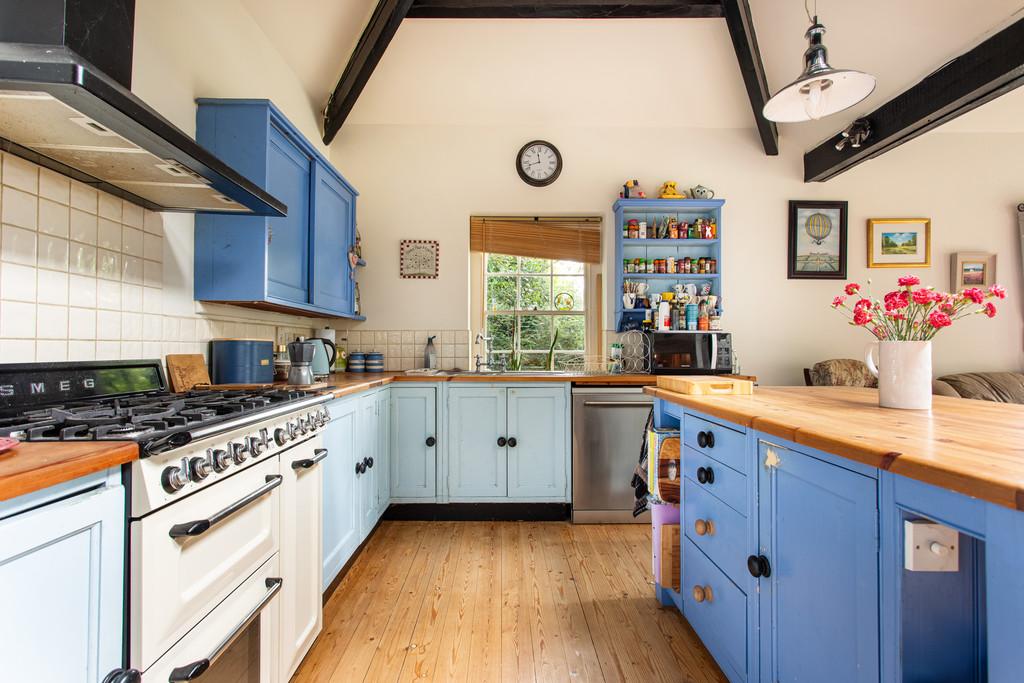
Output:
x=65 y=103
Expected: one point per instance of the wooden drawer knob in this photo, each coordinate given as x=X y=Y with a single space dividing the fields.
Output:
x=704 y=527
x=703 y=593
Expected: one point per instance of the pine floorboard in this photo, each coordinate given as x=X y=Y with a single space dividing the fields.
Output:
x=504 y=602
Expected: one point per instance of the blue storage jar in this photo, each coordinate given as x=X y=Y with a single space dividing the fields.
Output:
x=242 y=361
x=374 y=362
x=357 y=362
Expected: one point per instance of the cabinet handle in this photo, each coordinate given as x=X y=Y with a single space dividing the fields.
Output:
x=502 y=442
x=705 y=475
x=759 y=567
x=512 y=442
x=318 y=455
x=704 y=527
x=369 y=462
x=360 y=467
x=431 y=441
x=706 y=439
x=201 y=526
x=703 y=593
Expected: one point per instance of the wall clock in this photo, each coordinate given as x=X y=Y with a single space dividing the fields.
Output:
x=538 y=163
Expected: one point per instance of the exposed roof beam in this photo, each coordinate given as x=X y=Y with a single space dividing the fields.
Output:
x=744 y=42
x=564 y=9
x=994 y=67
x=376 y=36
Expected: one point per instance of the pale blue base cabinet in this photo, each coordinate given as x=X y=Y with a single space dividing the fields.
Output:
x=62 y=581
x=792 y=566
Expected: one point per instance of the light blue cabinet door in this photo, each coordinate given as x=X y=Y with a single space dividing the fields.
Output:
x=414 y=442
x=477 y=465
x=538 y=449
x=818 y=528
x=333 y=232
x=61 y=587
x=288 y=249
x=382 y=460
x=340 y=517
x=366 y=453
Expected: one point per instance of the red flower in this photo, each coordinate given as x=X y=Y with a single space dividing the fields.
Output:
x=862 y=305
x=909 y=281
x=861 y=317
x=896 y=300
x=938 y=319
x=923 y=296
x=852 y=288
x=838 y=301
x=974 y=294
x=990 y=309
x=997 y=291
x=895 y=315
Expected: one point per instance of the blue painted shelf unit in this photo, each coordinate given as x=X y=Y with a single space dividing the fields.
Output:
x=298 y=263
x=655 y=212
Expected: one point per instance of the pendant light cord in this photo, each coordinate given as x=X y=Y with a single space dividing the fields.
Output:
x=807 y=9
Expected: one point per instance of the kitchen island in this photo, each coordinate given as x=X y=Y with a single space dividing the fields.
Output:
x=797 y=506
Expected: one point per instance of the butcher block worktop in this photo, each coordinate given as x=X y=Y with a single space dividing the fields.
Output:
x=972 y=447
x=33 y=466
x=345 y=384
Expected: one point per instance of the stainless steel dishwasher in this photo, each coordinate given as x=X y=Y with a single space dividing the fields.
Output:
x=607 y=434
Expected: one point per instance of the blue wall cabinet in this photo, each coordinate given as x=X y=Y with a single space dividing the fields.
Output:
x=62 y=584
x=477 y=437
x=536 y=422
x=340 y=517
x=297 y=263
x=414 y=442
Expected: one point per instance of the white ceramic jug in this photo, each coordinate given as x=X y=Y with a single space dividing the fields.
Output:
x=904 y=373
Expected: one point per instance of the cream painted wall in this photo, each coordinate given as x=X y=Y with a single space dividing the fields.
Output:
x=425 y=181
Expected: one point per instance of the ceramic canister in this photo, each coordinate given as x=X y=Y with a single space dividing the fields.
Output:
x=374 y=362
x=357 y=362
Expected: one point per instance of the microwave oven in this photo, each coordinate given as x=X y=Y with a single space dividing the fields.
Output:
x=691 y=353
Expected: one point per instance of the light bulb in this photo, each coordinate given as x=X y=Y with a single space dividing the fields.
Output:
x=816 y=97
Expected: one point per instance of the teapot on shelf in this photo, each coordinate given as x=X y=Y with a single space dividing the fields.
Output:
x=701 y=192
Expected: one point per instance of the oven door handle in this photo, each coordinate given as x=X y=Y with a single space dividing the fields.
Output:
x=201 y=526
x=318 y=455
x=194 y=670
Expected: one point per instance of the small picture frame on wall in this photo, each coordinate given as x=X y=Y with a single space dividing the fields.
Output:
x=817 y=240
x=419 y=259
x=972 y=269
x=899 y=243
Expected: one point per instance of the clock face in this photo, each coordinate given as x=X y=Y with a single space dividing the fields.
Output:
x=538 y=163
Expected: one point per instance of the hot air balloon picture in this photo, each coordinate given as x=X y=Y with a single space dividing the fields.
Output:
x=817 y=240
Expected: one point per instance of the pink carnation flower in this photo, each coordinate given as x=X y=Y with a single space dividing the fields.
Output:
x=990 y=309
x=861 y=317
x=974 y=294
x=998 y=291
x=909 y=281
x=852 y=288
x=862 y=305
x=896 y=300
x=923 y=296
x=838 y=301
x=938 y=319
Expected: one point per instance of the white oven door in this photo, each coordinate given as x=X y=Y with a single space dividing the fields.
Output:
x=187 y=557
x=236 y=643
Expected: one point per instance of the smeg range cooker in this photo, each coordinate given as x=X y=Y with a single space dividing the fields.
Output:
x=204 y=503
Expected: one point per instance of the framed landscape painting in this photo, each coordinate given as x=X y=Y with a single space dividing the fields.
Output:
x=972 y=269
x=817 y=240
x=899 y=243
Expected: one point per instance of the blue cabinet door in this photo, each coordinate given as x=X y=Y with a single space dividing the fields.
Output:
x=414 y=442
x=382 y=460
x=477 y=464
x=818 y=528
x=366 y=453
x=333 y=232
x=62 y=589
x=290 y=175
x=537 y=428
x=340 y=519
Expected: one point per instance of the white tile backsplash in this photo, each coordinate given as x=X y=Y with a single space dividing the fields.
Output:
x=400 y=354
x=18 y=245
x=54 y=186
x=84 y=226
x=53 y=218
x=51 y=322
x=17 y=320
x=108 y=234
x=53 y=252
x=17 y=282
x=83 y=197
x=109 y=207
x=52 y=287
x=19 y=208
x=132 y=241
x=83 y=259
x=108 y=265
x=82 y=323
x=51 y=350
x=82 y=291
x=21 y=174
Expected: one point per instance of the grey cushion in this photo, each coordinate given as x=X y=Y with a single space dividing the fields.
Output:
x=1002 y=387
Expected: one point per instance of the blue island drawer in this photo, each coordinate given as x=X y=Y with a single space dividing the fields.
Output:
x=721 y=618
x=725 y=531
x=723 y=482
x=722 y=443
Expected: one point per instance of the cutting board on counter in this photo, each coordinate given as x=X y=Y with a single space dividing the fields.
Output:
x=705 y=385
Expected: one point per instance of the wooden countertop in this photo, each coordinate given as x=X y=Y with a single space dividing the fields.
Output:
x=346 y=384
x=972 y=447
x=36 y=465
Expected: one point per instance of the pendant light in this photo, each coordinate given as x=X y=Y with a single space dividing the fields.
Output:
x=820 y=90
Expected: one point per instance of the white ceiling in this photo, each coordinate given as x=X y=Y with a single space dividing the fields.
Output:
x=649 y=73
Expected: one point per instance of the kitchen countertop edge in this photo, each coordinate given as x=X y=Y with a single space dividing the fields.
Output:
x=33 y=466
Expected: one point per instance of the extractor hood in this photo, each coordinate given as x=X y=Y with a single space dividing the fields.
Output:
x=65 y=103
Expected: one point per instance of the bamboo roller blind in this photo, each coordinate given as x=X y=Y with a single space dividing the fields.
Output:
x=568 y=239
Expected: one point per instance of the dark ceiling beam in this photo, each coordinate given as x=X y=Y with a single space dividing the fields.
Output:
x=994 y=67
x=744 y=42
x=565 y=9
x=383 y=25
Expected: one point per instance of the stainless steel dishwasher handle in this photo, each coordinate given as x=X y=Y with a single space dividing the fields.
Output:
x=620 y=404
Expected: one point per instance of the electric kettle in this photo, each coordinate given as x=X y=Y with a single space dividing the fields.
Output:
x=323 y=356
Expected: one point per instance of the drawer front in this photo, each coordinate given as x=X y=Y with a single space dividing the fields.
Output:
x=721 y=618
x=723 y=482
x=725 y=445
x=724 y=536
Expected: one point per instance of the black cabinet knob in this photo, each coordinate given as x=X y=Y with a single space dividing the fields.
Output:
x=706 y=439
x=759 y=567
x=502 y=442
x=512 y=442
x=705 y=475
x=431 y=441
x=369 y=462
x=360 y=468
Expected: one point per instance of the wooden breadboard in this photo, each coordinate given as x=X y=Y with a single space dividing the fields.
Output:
x=705 y=385
x=669 y=473
x=186 y=370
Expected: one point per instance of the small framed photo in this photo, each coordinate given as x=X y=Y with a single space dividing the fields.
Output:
x=972 y=269
x=817 y=240
x=418 y=259
x=899 y=242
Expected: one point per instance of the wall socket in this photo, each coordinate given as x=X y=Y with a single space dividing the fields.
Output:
x=930 y=547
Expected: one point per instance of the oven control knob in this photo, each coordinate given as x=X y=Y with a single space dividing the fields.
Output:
x=312 y=422
x=293 y=429
x=237 y=452
x=281 y=436
x=303 y=425
x=325 y=417
x=220 y=459
x=256 y=446
x=175 y=477
x=200 y=468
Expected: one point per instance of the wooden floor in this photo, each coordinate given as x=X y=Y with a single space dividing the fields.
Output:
x=504 y=601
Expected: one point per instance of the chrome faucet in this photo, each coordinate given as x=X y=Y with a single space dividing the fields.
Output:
x=483 y=360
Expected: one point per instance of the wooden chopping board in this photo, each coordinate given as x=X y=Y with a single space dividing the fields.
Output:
x=705 y=385
x=186 y=370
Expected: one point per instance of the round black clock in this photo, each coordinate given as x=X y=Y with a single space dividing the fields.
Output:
x=538 y=163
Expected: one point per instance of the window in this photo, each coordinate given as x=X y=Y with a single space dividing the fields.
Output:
x=530 y=303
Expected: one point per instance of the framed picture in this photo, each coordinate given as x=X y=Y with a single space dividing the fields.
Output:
x=817 y=240
x=899 y=242
x=418 y=259
x=972 y=269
